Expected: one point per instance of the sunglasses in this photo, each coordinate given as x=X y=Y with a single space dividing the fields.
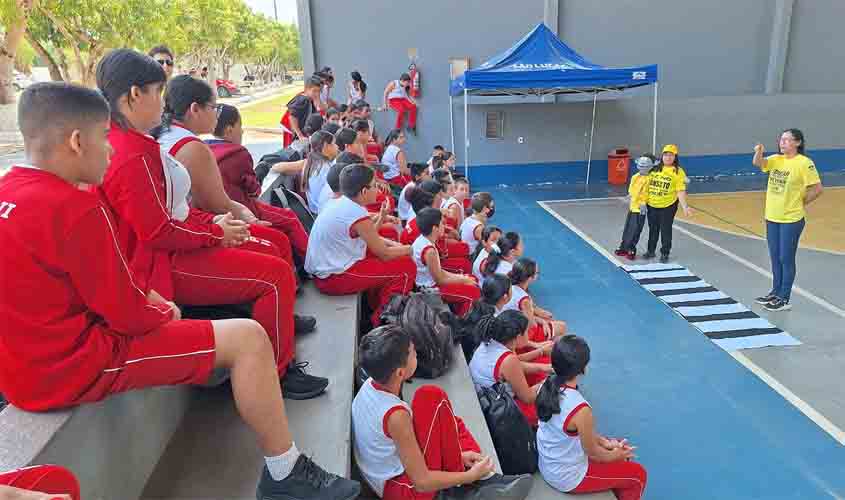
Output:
x=168 y=62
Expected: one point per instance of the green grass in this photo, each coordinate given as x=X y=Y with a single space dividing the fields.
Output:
x=267 y=114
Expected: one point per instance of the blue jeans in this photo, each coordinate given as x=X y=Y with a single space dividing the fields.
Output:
x=783 y=245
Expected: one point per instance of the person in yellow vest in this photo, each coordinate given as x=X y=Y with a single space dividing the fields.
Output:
x=667 y=188
x=638 y=194
x=794 y=183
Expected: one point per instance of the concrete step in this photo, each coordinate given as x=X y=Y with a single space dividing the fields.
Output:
x=213 y=455
x=458 y=385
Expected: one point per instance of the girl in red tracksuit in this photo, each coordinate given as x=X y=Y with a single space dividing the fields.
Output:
x=190 y=109
x=454 y=255
x=186 y=255
x=242 y=186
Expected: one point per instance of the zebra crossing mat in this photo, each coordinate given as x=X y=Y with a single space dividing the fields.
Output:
x=729 y=324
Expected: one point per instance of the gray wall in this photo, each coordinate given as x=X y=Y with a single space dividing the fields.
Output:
x=713 y=58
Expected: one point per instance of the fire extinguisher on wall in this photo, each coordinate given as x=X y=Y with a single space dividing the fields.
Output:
x=414 y=73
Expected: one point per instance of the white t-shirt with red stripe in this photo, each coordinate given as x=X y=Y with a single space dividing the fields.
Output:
x=562 y=460
x=176 y=176
x=479 y=263
x=420 y=248
x=518 y=298
x=332 y=248
x=375 y=451
x=468 y=232
x=486 y=363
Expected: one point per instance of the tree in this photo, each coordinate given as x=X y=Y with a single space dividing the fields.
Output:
x=14 y=14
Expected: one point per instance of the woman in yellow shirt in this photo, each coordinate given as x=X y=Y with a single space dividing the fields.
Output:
x=667 y=188
x=793 y=184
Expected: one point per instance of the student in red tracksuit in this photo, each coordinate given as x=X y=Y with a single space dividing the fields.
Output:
x=186 y=257
x=543 y=325
x=453 y=254
x=347 y=255
x=241 y=185
x=422 y=450
x=190 y=109
x=39 y=482
x=78 y=327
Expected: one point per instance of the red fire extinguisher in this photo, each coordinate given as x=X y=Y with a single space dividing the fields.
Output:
x=414 y=73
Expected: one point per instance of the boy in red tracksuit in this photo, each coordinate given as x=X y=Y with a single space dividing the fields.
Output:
x=78 y=328
x=182 y=253
x=346 y=253
x=241 y=184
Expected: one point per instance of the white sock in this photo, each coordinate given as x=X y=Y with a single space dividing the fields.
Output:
x=281 y=466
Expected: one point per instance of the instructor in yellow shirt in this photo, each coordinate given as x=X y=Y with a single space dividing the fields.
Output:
x=667 y=188
x=793 y=184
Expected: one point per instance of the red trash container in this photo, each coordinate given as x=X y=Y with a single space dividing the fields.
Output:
x=618 y=163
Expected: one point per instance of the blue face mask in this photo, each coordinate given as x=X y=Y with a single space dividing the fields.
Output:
x=491 y=212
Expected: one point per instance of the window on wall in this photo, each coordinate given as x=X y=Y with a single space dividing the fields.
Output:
x=494 y=125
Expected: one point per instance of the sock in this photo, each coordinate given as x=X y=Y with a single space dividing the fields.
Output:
x=281 y=466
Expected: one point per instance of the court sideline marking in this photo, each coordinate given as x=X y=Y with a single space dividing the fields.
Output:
x=826 y=425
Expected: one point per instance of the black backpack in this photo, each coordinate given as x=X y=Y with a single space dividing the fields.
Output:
x=514 y=439
x=280 y=196
x=429 y=321
x=267 y=161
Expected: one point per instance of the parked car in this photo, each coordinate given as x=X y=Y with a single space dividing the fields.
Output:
x=20 y=81
x=226 y=88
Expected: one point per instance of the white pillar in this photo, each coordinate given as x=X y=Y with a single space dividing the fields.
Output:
x=654 y=121
x=592 y=133
x=451 y=122
x=466 y=133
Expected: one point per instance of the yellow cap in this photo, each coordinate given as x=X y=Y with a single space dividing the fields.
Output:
x=670 y=148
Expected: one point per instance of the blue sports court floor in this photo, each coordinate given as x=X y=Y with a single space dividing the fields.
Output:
x=706 y=426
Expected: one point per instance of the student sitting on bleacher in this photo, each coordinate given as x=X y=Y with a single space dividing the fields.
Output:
x=422 y=450
x=573 y=457
x=323 y=152
x=394 y=157
x=453 y=210
x=483 y=208
x=331 y=127
x=436 y=152
x=39 y=482
x=419 y=173
x=346 y=254
x=458 y=290
x=502 y=256
x=543 y=325
x=239 y=181
x=291 y=160
x=462 y=194
x=496 y=361
x=94 y=330
x=190 y=109
x=185 y=255
x=489 y=242
x=429 y=194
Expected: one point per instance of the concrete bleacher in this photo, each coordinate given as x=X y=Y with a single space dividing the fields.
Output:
x=189 y=443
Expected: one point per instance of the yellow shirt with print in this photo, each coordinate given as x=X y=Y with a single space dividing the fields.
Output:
x=788 y=181
x=638 y=189
x=664 y=186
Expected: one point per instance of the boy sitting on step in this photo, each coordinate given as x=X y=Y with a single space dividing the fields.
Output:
x=414 y=452
x=92 y=332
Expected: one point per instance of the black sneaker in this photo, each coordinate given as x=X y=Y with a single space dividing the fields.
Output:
x=777 y=304
x=498 y=486
x=303 y=324
x=664 y=258
x=299 y=385
x=648 y=255
x=307 y=481
x=765 y=299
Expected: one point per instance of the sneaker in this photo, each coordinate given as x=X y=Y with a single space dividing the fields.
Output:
x=307 y=481
x=777 y=304
x=620 y=253
x=648 y=255
x=303 y=324
x=497 y=486
x=299 y=385
x=664 y=258
x=631 y=255
x=765 y=299
x=412 y=130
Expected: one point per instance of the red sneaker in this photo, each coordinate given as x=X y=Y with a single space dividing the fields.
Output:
x=621 y=253
x=631 y=255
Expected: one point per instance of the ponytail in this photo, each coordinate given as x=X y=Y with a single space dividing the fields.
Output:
x=182 y=91
x=486 y=233
x=485 y=327
x=498 y=253
x=315 y=160
x=570 y=357
x=523 y=269
x=548 y=400
x=494 y=288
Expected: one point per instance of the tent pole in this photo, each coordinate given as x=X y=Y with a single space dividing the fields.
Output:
x=466 y=133
x=654 y=119
x=592 y=133
x=451 y=122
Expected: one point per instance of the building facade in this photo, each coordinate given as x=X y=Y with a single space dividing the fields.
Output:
x=732 y=73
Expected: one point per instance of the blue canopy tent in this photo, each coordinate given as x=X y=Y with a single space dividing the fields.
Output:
x=540 y=64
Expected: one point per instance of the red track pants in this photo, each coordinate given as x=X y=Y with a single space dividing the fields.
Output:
x=626 y=479
x=213 y=276
x=50 y=479
x=286 y=221
x=381 y=279
x=277 y=238
x=460 y=296
x=402 y=106
x=442 y=438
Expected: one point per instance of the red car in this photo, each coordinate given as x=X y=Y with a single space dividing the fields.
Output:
x=226 y=88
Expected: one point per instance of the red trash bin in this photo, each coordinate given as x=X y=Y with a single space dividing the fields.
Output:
x=618 y=163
